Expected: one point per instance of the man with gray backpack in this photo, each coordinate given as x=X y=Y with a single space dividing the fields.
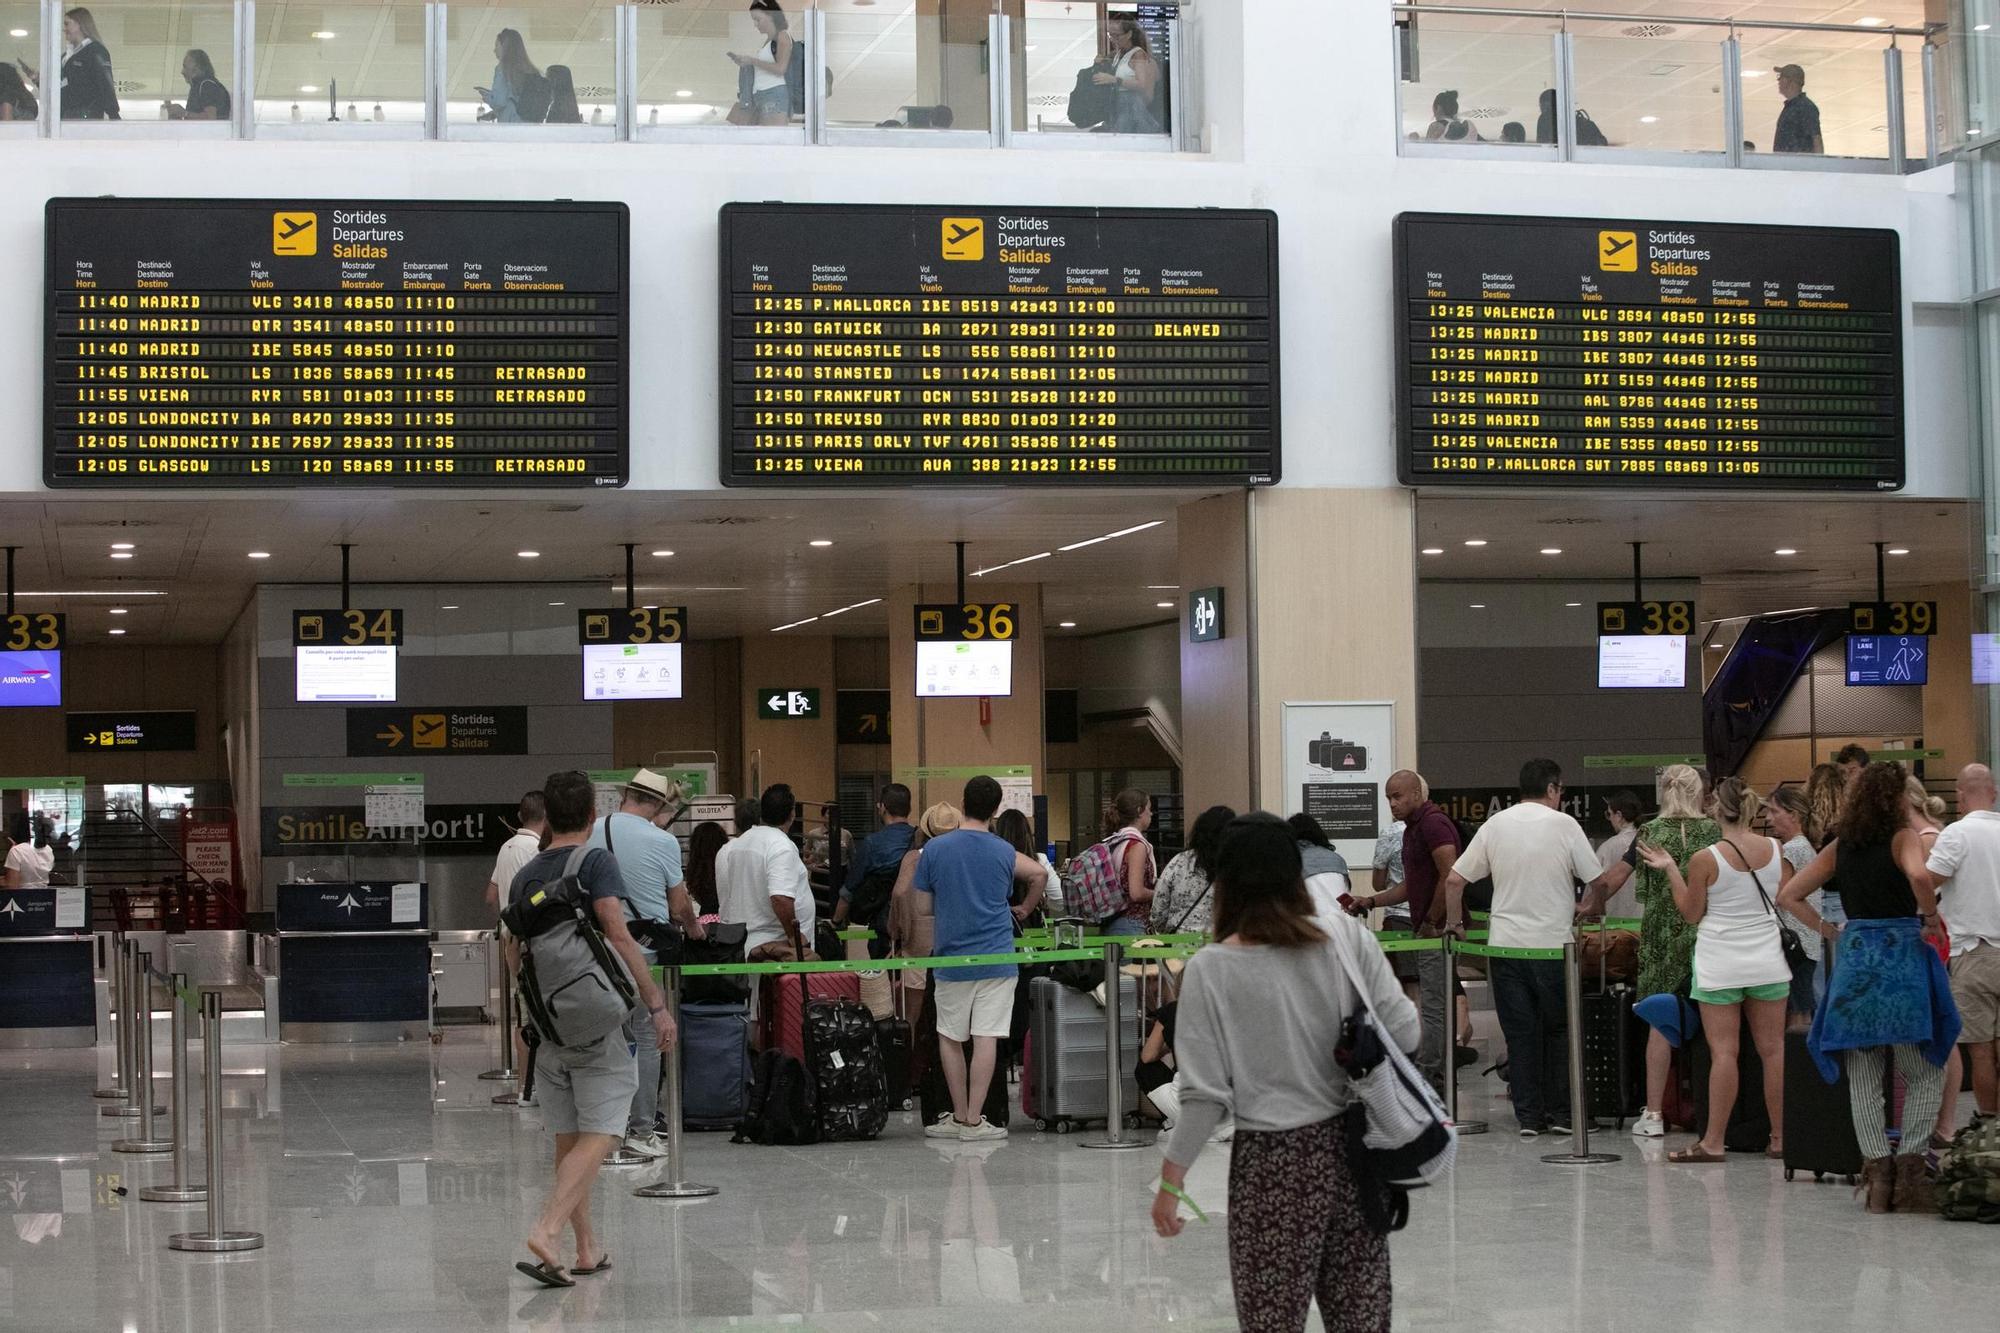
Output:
x=579 y=970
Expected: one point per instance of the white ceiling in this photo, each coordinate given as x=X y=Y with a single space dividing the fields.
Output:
x=742 y=563
x=1638 y=67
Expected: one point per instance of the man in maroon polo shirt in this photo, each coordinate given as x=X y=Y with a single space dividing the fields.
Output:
x=1430 y=848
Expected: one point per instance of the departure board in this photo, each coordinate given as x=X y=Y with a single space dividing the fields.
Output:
x=1635 y=354
x=919 y=346
x=335 y=343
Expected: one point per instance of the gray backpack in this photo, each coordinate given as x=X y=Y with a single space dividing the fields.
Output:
x=574 y=987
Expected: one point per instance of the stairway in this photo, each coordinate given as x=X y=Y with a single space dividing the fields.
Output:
x=137 y=879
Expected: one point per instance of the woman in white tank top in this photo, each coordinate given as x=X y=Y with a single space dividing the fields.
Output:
x=1730 y=895
x=1135 y=74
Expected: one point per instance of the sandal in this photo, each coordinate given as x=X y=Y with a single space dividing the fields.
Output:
x=1694 y=1154
x=1775 y=1153
x=548 y=1274
x=585 y=1270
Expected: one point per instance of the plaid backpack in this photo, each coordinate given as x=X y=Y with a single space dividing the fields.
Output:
x=1094 y=884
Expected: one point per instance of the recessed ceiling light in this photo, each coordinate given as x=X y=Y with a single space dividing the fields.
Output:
x=17 y=32
x=651 y=606
x=259 y=555
x=1786 y=550
x=683 y=92
x=1066 y=624
x=117 y=610
x=1572 y=603
x=1868 y=23
x=1476 y=541
x=1109 y=536
x=121 y=546
x=324 y=36
x=1977 y=27
x=1163 y=587
x=449 y=606
x=529 y=555
x=121 y=555
x=308 y=87
x=1434 y=550
x=663 y=554
x=115 y=631
x=1899 y=550
x=1552 y=550
x=1753 y=73
x=1164 y=606
x=1649 y=120
x=558 y=603
x=1476 y=606
x=819 y=541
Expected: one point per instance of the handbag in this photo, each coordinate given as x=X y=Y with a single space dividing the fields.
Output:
x=1795 y=953
x=1410 y=1140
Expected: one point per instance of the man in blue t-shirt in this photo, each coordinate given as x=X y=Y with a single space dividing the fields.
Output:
x=970 y=874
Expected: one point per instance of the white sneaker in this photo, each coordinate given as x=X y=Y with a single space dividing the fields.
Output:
x=985 y=1129
x=944 y=1127
x=646 y=1145
x=1649 y=1125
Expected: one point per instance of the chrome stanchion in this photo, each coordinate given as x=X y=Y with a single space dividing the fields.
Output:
x=1114 y=1063
x=506 y=1071
x=1451 y=1040
x=129 y=1022
x=121 y=1078
x=676 y=1185
x=180 y=1191
x=215 y=1238
x=1579 y=1095
x=142 y=1036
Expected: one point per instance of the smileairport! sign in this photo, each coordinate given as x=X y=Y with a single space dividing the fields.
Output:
x=448 y=830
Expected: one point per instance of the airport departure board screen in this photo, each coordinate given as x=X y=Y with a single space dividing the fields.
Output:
x=1637 y=354
x=921 y=346
x=320 y=344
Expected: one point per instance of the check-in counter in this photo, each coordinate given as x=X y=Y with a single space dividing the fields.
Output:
x=353 y=962
x=48 y=994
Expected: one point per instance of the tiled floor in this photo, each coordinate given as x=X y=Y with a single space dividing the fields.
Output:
x=393 y=1197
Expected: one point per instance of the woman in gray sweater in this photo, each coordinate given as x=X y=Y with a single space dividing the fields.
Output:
x=1261 y=1012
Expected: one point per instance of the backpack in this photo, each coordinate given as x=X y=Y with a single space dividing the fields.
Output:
x=1968 y=1183
x=1094 y=884
x=780 y=1107
x=1587 y=133
x=871 y=896
x=1090 y=103
x=531 y=102
x=574 y=989
x=795 y=78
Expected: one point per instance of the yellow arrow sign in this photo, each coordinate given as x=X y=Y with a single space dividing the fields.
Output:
x=394 y=735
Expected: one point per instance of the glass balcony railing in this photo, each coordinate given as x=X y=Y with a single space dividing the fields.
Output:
x=1480 y=79
x=813 y=71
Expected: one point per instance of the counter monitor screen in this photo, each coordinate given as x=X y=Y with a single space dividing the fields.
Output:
x=1986 y=659
x=319 y=344
x=339 y=674
x=1888 y=659
x=31 y=679
x=965 y=670
x=1637 y=354
x=631 y=671
x=921 y=346
x=1642 y=662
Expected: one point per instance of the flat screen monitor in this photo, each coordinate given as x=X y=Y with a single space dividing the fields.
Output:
x=965 y=670
x=1888 y=659
x=330 y=674
x=1642 y=662
x=631 y=671
x=1986 y=659
x=31 y=679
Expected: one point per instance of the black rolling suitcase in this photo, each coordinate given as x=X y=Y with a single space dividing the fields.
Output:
x=933 y=1097
x=894 y=1038
x=1819 y=1118
x=1749 y=1128
x=1614 y=1061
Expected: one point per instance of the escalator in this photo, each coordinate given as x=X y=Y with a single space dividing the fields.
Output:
x=1753 y=680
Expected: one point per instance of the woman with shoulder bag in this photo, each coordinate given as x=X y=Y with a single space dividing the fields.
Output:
x=1257 y=1029
x=1740 y=961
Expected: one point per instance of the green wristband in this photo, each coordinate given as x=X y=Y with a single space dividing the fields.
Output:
x=1185 y=1198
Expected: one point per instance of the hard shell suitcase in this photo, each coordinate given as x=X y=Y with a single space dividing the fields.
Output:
x=783 y=1019
x=1614 y=1063
x=1819 y=1118
x=1066 y=1041
x=715 y=1065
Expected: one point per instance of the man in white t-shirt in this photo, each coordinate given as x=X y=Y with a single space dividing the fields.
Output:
x=1966 y=863
x=531 y=823
x=1536 y=855
x=762 y=883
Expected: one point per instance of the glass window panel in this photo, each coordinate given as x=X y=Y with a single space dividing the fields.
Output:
x=1065 y=54
x=894 y=66
x=1976 y=47
x=686 y=76
x=570 y=64
x=20 y=44
x=350 y=64
x=1844 y=80
x=158 y=55
x=1465 y=77
x=1661 y=93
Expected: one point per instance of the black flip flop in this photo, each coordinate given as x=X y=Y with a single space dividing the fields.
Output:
x=581 y=1270
x=549 y=1275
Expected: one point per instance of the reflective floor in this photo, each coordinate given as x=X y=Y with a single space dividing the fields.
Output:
x=393 y=1196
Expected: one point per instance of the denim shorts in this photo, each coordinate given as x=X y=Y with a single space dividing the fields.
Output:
x=773 y=101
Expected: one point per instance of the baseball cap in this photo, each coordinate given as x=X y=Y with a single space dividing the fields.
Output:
x=1796 y=73
x=651 y=783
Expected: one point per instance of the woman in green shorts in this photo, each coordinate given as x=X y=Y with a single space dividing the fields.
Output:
x=1730 y=895
x=1666 y=938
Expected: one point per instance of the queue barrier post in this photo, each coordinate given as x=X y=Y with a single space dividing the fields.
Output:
x=506 y=1071
x=121 y=1077
x=129 y=1023
x=1465 y=1127
x=215 y=1238
x=1114 y=1071
x=180 y=1191
x=142 y=1034
x=1579 y=1095
x=676 y=1185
